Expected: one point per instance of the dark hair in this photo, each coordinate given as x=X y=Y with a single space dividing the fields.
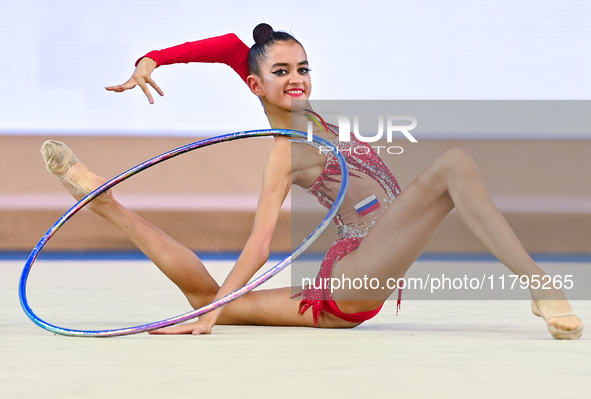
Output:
x=264 y=37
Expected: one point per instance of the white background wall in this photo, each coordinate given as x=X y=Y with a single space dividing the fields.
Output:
x=57 y=56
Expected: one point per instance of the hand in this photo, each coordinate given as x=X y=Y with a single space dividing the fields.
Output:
x=196 y=328
x=141 y=76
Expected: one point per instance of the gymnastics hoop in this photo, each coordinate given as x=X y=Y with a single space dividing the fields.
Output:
x=214 y=305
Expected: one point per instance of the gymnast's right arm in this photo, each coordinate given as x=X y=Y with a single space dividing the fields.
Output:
x=227 y=49
x=276 y=185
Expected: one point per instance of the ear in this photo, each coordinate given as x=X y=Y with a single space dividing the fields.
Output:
x=255 y=85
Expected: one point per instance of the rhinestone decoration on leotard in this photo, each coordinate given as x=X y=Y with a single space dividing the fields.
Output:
x=350 y=235
x=369 y=163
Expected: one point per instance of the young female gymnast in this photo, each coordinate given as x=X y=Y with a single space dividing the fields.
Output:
x=382 y=244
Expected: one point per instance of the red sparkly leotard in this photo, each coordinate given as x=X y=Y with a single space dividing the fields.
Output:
x=372 y=187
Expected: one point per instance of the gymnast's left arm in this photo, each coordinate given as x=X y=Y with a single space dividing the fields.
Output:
x=276 y=185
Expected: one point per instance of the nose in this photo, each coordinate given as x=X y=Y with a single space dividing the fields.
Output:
x=295 y=78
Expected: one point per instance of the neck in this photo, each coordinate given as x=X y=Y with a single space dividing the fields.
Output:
x=284 y=119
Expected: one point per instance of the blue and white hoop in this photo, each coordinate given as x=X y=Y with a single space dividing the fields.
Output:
x=220 y=302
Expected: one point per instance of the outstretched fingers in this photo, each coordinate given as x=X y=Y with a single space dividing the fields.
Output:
x=147 y=92
x=155 y=86
x=120 y=88
x=137 y=81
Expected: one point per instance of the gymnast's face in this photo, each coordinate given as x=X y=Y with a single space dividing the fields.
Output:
x=284 y=76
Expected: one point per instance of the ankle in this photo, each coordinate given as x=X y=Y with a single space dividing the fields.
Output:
x=553 y=294
x=104 y=205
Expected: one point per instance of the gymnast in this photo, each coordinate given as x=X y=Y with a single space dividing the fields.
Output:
x=381 y=243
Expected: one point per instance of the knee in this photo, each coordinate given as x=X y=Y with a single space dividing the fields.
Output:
x=458 y=162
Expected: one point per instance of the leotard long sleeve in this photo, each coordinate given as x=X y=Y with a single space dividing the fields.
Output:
x=227 y=49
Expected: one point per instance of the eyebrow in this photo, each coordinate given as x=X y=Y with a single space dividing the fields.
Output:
x=285 y=64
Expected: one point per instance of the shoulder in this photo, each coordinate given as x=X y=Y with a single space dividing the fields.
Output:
x=281 y=147
x=280 y=155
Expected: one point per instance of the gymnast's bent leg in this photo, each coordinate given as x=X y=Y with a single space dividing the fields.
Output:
x=408 y=224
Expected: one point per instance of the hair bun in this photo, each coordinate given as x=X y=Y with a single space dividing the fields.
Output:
x=262 y=32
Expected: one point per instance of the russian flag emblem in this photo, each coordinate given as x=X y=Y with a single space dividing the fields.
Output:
x=368 y=205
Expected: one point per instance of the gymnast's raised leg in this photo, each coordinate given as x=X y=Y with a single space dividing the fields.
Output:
x=178 y=263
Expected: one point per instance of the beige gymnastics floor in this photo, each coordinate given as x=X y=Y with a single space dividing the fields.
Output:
x=433 y=349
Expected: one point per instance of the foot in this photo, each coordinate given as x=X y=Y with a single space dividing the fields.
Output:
x=61 y=162
x=560 y=318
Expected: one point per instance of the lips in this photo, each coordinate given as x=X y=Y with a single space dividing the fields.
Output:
x=295 y=92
